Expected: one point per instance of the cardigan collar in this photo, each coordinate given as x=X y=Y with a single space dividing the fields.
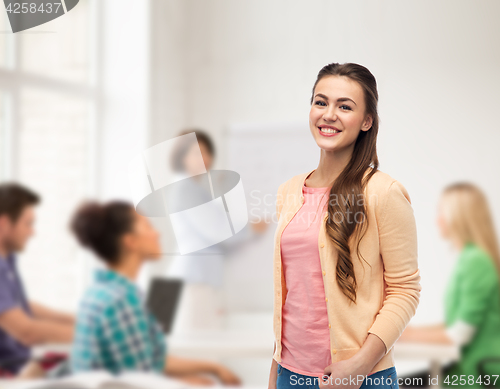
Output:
x=302 y=181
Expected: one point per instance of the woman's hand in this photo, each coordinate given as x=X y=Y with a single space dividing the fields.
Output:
x=435 y=334
x=259 y=227
x=184 y=367
x=198 y=380
x=30 y=370
x=344 y=374
x=350 y=373
x=226 y=376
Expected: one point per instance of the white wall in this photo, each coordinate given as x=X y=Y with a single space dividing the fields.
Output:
x=436 y=66
x=122 y=119
x=124 y=72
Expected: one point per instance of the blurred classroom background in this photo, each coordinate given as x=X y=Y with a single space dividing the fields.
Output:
x=82 y=95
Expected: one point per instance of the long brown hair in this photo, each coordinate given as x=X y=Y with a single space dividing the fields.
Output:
x=350 y=184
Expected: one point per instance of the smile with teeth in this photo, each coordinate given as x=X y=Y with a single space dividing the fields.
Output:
x=328 y=130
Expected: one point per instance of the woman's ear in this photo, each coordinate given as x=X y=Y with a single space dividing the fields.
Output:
x=367 y=123
x=128 y=241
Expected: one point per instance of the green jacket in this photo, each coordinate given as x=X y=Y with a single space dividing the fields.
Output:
x=473 y=295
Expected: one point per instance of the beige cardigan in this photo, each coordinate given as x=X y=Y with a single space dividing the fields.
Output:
x=388 y=292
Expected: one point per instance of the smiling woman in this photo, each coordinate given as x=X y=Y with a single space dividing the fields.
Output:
x=338 y=107
x=321 y=101
x=334 y=316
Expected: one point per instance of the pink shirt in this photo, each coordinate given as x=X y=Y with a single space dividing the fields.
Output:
x=386 y=268
x=305 y=332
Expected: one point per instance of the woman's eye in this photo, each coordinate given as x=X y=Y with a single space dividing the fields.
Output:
x=319 y=102
x=345 y=107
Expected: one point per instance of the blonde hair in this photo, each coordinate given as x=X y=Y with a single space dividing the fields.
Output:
x=468 y=218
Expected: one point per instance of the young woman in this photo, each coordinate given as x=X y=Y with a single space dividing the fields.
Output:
x=345 y=261
x=114 y=330
x=472 y=297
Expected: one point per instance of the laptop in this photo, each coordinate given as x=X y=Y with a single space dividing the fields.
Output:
x=163 y=299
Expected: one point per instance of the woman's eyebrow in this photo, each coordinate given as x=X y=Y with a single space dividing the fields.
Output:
x=338 y=100
x=346 y=99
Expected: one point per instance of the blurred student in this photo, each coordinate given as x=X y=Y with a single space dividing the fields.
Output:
x=114 y=329
x=472 y=298
x=202 y=299
x=23 y=323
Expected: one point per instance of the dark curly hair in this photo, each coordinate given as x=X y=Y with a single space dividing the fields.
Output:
x=99 y=227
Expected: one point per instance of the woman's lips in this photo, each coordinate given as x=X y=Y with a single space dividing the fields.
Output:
x=329 y=135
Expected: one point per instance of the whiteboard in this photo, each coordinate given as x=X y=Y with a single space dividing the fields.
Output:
x=265 y=155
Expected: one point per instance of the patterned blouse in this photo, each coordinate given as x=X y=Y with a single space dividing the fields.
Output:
x=114 y=330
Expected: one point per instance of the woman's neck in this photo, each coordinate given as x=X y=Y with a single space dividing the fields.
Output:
x=458 y=244
x=128 y=266
x=330 y=166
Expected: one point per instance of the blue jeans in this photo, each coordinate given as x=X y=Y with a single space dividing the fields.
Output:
x=383 y=379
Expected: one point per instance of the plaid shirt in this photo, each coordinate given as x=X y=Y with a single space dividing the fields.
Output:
x=114 y=331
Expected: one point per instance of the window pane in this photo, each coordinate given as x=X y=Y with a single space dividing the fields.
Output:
x=5 y=31
x=59 y=48
x=53 y=160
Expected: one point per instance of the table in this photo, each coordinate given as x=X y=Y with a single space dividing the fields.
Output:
x=243 y=343
x=436 y=354
x=223 y=344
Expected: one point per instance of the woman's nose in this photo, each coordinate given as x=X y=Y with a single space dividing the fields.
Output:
x=330 y=115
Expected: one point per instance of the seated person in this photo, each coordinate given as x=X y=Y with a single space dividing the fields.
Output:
x=22 y=323
x=114 y=330
x=472 y=295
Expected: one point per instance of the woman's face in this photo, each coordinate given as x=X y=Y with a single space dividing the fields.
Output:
x=191 y=160
x=146 y=240
x=338 y=108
